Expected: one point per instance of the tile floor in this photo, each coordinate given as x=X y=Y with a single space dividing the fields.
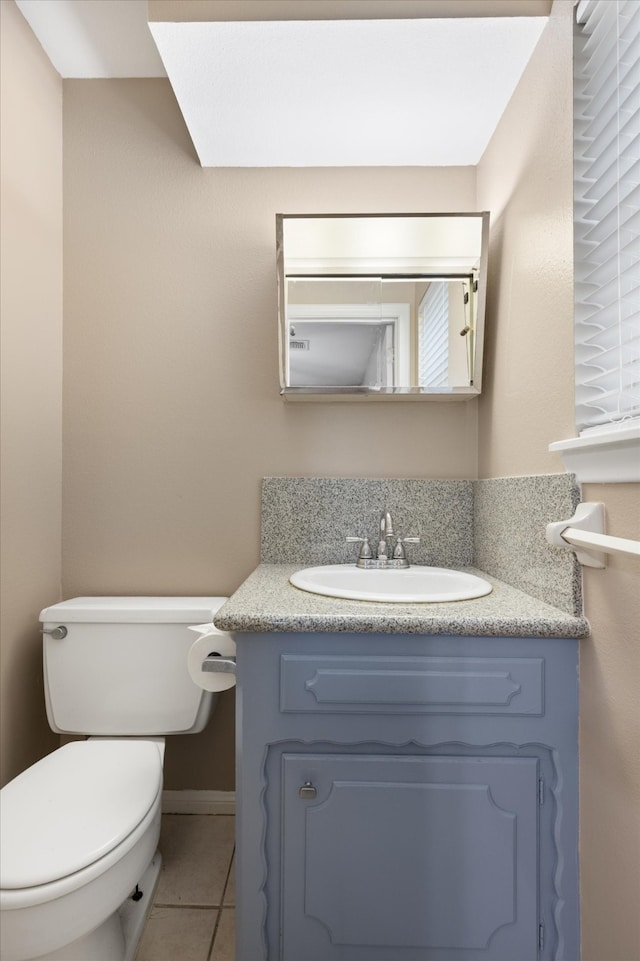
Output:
x=193 y=913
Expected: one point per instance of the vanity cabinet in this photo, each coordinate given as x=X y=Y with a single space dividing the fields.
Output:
x=406 y=798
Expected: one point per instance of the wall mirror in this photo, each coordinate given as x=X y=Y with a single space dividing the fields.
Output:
x=381 y=306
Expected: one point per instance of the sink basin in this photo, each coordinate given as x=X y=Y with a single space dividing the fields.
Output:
x=414 y=585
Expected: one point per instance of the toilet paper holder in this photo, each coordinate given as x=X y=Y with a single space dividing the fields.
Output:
x=217 y=664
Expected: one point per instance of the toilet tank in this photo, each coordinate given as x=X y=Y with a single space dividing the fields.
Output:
x=122 y=667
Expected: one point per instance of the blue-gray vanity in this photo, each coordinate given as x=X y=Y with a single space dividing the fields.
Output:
x=407 y=774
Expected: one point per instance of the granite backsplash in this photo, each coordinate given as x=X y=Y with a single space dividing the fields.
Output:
x=509 y=536
x=496 y=525
x=306 y=519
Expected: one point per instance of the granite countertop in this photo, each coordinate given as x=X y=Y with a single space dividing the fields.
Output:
x=266 y=602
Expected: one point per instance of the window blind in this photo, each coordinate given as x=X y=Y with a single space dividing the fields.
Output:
x=607 y=213
x=433 y=336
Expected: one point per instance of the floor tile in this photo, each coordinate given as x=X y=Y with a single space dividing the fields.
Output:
x=196 y=852
x=224 y=946
x=178 y=933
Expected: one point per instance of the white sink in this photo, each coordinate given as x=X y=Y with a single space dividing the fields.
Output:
x=414 y=585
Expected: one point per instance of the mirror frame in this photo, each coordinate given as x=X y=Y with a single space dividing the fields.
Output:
x=384 y=393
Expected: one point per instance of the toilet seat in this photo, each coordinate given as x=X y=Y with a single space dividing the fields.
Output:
x=75 y=806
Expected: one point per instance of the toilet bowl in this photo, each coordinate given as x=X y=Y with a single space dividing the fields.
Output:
x=72 y=856
x=79 y=859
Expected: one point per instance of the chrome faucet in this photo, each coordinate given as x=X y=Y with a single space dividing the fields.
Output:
x=386 y=556
x=386 y=532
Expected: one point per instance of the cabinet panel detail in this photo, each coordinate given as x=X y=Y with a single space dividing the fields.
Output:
x=461 y=832
x=411 y=685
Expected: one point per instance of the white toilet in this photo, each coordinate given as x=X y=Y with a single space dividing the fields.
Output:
x=79 y=829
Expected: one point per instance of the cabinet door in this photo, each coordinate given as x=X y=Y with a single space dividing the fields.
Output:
x=405 y=858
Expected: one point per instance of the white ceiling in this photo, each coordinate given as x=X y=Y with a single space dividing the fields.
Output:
x=288 y=93
x=95 y=38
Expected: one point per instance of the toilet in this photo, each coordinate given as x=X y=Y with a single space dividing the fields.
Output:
x=79 y=859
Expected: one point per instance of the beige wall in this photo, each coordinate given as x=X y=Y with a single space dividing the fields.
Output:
x=525 y=180
x=194 y=10
x=31 y=353
x=171 y=396
x=610 y=741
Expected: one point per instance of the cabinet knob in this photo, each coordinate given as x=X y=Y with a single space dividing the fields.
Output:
x=307 y=792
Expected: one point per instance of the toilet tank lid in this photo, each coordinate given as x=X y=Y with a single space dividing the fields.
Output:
x=75 y=806
x=134 y=610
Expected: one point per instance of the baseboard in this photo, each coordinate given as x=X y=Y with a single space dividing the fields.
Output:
x=198 y=802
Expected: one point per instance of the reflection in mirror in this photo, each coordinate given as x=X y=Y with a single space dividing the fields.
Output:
x=381 y=307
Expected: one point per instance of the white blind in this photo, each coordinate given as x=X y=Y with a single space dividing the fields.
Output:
x=433 y=336
x=607 y=212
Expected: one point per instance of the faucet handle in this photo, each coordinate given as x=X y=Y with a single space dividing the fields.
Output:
x=365 y=550
x=399 y=551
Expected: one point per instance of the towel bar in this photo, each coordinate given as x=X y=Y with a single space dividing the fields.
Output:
x=584 y=534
